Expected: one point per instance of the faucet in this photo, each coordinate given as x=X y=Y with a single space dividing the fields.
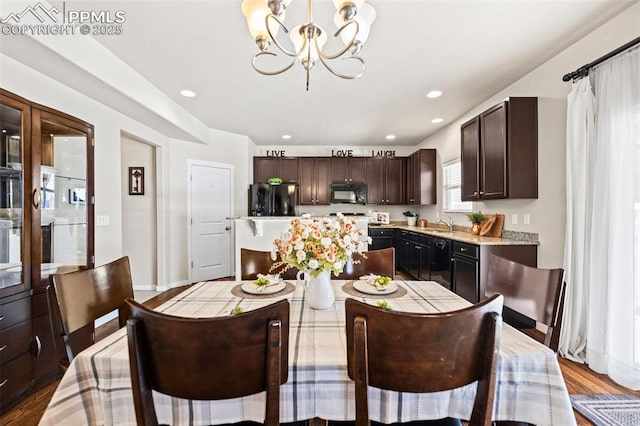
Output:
x=449 y=223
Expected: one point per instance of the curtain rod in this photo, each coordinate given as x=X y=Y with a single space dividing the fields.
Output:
x=583 y=71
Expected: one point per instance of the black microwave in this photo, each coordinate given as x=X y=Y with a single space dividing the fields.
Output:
x=349 y=193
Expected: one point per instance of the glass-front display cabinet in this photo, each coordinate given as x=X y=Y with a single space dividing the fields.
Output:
x=46 y=226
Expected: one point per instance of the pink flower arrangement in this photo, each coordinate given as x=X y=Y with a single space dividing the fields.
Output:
x=318 y=244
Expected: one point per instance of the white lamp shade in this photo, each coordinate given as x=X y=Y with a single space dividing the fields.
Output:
x=256 y=11
x=298 y=42
x=365 y=17
x=340 y=3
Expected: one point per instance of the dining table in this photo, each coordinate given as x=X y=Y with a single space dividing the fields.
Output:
x=96 y=388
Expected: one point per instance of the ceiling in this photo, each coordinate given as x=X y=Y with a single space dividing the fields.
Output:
x=469 y=50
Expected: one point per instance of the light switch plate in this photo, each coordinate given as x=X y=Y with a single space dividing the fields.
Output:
x=526 y=218
x=102 y=220
x=514 y=218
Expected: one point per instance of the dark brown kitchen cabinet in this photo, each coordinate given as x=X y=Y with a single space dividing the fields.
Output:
x=286 y=168
x=499 y=152
x=348 y=169
x=386 y=180
x=314 y=175
x=46 y=225
x=422 y=177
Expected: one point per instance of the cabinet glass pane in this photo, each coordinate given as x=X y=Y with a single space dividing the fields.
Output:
x=64 y=197
x=10 y=196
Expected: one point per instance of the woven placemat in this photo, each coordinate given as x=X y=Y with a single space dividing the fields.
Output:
x=348 y=288
x=237 y=291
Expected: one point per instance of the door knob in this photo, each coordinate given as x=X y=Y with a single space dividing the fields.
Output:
x=226 y=228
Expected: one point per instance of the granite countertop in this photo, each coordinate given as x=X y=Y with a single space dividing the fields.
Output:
x=459 y=234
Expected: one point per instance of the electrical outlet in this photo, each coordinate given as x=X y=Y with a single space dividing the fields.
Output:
x=102 y=220
x=526 y=218
x=514 y=219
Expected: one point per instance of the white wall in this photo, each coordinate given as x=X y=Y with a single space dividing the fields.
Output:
x=227 y=148
x=139 y=214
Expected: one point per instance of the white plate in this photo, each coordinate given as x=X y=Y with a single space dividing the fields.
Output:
x=368 y=287
x=251 y=288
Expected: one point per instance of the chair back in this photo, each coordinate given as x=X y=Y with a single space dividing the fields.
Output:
x=379 y=262
x=533 y=292
x=86 y=295
x=208 y=358
x=254 y=262
x=409 y=352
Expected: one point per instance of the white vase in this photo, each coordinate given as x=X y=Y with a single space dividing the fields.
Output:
x=319 y=291
x=411 y=220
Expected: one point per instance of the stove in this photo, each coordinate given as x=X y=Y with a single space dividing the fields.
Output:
x=348 y=214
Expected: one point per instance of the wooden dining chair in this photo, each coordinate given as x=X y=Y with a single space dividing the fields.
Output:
x=208 y=358
x=410 y=352
x=254 y=262
x=77 y=299
x=379 y=262
x=533 y=292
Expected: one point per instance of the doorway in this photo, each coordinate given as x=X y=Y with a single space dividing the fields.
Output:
x=210 y=207
x=139 y=211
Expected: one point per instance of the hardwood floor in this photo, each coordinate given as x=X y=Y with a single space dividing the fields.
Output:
x=578 y=377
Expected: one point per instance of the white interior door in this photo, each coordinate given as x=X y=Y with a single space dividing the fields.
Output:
x=211 y=203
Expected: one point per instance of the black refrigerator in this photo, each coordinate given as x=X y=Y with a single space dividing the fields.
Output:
x=272 y=200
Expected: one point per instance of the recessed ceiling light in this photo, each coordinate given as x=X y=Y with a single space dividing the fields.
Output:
x=434 y=94
x=4 y=130
x=390 y=137
x=437 y=120
x=188 y=93
x=286 y=136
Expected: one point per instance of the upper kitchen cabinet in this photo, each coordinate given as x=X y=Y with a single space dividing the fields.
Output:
x=499 y=152
x=315 y=180
x=286 y=168
x=386 y=180
x=421 y=177
x=348 y=169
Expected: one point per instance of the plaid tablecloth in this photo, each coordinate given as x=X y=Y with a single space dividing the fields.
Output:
x=96 y=389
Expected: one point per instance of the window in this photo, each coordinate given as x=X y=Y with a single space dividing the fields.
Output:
x=452 y=188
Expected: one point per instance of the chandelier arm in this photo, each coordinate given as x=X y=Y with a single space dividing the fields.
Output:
x=280 y=71
x=346 y=76
x=273 y=38
x=347 y=47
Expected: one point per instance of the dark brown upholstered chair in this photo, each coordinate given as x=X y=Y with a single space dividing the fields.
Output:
x=208 y=358
x=533 y=292
x=81 y=297
x=379 y=262
x=439 y=352
x=254 y=262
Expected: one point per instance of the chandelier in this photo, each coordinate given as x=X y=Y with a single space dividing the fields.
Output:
x=353 y=20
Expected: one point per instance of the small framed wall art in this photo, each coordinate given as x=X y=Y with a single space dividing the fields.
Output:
x=136 y=180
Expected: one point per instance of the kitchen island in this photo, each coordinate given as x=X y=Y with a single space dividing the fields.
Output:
x=258 y=233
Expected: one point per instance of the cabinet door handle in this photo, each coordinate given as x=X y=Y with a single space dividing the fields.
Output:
x=475 y=192
x=1 y=317
x=481 y=192
x=38 y=346
x=227 y=228
x=3 y=348
x=462 y=249
x=36 y=198
x=3 y=382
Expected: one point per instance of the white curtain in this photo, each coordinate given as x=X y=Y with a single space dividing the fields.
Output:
x=603 y=222
x=580 y=146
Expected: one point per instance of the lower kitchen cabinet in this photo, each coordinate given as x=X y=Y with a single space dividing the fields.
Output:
x=381 y=238
x=413 y=253
x=470 y=268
